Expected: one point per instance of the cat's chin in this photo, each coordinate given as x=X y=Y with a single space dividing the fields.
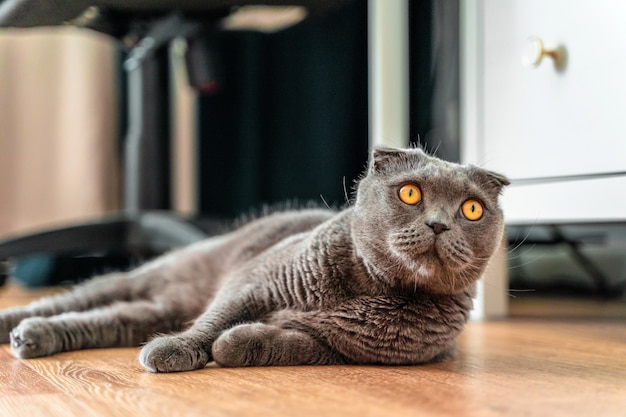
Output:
x=443 y=255
x=420 y=266
x=421 y=270
x=431 y=267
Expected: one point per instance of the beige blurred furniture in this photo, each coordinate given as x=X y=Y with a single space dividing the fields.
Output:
x=59 y=118
x=144 y=29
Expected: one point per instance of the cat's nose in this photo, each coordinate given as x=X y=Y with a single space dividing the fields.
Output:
x=438 y=228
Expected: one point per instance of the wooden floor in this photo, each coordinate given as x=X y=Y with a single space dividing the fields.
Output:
x=528 y=366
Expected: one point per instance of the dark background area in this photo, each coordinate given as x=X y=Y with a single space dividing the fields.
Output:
x=289 y=120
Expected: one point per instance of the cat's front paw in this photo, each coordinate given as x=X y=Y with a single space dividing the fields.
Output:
x=8 y=320
x=173 y=354
x=32 y=338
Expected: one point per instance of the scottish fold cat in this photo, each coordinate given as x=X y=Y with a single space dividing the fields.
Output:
x=388 y=280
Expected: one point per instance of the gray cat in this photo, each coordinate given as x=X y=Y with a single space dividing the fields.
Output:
x=388 y=280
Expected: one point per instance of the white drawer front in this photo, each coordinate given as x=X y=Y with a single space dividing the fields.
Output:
x=539 y=122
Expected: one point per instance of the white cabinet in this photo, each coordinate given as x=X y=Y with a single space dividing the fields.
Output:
x=558 y=133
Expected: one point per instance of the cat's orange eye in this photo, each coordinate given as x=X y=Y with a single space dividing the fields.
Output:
x=472 y=210
x=410 y=194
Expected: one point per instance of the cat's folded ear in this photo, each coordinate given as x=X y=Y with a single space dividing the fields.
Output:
x=491 y=181
x=387 y=159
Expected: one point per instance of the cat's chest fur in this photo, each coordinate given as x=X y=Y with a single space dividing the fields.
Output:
x=399 y=330
x=309 y=270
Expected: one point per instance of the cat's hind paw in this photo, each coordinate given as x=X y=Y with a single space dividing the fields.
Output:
x=32 y=338
x=246 y=345
x=172 y=354
x=258 y=344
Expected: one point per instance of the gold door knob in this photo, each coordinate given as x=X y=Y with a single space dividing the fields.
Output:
x=534 y=52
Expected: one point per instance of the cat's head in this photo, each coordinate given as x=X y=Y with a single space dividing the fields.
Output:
x=421 y=222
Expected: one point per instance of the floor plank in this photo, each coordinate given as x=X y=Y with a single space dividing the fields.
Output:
x=528 y=366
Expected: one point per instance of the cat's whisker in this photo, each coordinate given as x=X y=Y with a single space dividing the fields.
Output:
x=484 y=162
x=523 y=240
x=416 y=144
x=521 y=255
x=508 y=290
x=345 y=192
x=511 y=290
x=325 y=202
x=434 y=153
x=530 y=261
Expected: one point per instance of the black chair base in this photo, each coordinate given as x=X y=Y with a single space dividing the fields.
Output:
x=92 y=248
x=150 y=232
